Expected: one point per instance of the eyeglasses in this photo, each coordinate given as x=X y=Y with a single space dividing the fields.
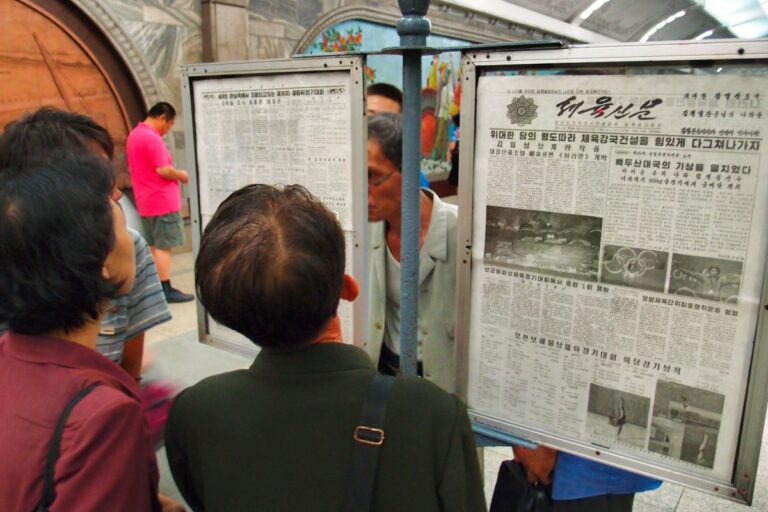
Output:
x=375 y=182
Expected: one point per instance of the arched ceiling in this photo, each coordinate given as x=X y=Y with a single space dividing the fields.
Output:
x=632 y=20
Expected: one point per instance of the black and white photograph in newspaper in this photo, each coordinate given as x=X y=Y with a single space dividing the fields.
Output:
x=686 y=423
x=551 y=243
x=616 y=415
x=706 y=278
x=634 y=267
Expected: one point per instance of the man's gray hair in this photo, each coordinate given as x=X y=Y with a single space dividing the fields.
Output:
x=386 y=130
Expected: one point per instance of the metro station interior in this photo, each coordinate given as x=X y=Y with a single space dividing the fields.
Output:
x=113 y=59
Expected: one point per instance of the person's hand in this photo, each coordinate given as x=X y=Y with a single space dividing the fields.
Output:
x=183 y=175
x=538 y=462
x=169 y=505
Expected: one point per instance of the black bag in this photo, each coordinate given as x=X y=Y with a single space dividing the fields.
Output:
x=514 y=493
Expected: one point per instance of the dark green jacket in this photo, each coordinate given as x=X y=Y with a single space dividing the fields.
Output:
x=278 y=437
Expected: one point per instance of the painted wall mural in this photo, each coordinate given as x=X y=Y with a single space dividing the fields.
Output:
x=441 y=80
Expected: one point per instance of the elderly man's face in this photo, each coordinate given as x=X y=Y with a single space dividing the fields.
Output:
x=384 y=185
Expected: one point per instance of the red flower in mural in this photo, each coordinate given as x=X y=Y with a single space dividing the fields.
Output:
x=370 y=74
x=334 y=41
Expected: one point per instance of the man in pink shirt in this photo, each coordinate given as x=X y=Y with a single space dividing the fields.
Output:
x=157 y=192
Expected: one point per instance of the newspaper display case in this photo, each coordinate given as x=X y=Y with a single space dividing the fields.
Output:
x=612 y=289
x=279 y=122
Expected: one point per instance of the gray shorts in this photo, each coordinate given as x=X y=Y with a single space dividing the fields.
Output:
x=164 y=231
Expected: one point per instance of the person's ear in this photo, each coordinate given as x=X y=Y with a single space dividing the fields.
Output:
x=105 y=272
x=349 y=288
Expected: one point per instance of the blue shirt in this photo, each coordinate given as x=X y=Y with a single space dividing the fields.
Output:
x=576 y=477
x=143 y=308
x=423 y=181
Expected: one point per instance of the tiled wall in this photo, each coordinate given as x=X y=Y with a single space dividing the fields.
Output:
x=167 y=33
x=275 y=26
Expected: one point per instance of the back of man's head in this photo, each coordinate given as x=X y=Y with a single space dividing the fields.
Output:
x=386 y=130
x=162 y=108
x=56 y=227
x=384 y=97
x=35 y=136
x=271 y=265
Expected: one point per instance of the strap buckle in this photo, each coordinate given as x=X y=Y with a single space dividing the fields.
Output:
x=369 y=435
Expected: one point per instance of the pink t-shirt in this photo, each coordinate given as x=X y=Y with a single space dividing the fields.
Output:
x=146 y=152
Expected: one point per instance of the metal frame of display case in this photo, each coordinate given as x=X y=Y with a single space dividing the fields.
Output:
x=352 y=64
x=477 y=61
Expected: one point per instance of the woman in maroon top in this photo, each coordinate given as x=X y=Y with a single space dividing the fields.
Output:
x=64 y=251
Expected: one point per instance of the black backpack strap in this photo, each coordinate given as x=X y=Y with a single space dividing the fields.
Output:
x=49 y=492
x=369 y=436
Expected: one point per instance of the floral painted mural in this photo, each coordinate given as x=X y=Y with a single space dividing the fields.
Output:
x=334 y=41
x=441 y=79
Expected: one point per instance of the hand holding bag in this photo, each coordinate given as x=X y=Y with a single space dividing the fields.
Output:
x=514 y=493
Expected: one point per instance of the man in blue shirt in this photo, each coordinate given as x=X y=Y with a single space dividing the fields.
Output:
x=582 y=485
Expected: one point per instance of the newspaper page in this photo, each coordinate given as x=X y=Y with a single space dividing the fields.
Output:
x=618 y=253
x=278 y=129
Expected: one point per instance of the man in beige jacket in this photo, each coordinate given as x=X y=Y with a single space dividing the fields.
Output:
x=437 y=263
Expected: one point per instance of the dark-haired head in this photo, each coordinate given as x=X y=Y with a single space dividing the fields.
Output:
x=35 y=136
x=161 y=117
x=384 y=97
x=271 y=265
x=57 y=226
x=386 y=130
x=162 y=109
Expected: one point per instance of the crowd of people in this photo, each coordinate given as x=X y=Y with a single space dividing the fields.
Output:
x=78 y=292
x=310 y=425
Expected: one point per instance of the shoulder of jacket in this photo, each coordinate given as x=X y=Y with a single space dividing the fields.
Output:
x=107 y=403
x=451 y=212
x=212 y=387
x=426 y=395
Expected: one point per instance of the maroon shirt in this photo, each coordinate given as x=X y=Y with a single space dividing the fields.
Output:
x=106 y=461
